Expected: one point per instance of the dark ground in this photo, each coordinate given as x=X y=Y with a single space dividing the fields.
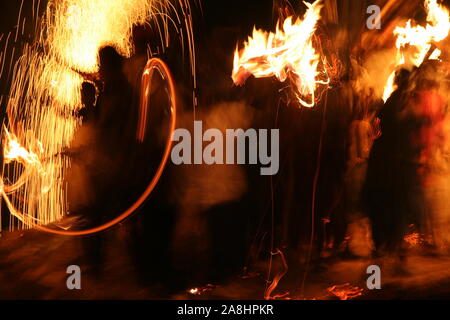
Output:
x=34 y=267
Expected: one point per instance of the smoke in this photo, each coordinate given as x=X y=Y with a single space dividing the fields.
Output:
x=373 y=72
x=203 y=185
x=198 y=188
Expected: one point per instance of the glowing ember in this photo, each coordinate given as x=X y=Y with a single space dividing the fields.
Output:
x=414 y=42
x=286 y=54
x=194 y=291
x=200 y=291
x=345 y=291
x=414 y=239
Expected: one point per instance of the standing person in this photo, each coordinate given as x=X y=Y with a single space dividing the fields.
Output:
x=383 y=186
x=427 y=157
x=363 y=131
x=100 y=154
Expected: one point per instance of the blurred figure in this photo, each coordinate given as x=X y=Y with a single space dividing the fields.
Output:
x=362 y=133
x=407 y=184
x=385 y=188
x=429 y=141
x=98 y=151
x=103 y=139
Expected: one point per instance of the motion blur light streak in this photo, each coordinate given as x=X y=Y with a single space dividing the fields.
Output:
x=287 y=53
x=345 y=291
x=419 y=39
x=276 y=279
x=45 y=97
x=152 y=65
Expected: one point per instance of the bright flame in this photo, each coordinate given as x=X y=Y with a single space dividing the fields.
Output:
x=287 y=53
x=414 y=42
x=13 y=151
x=45 y=95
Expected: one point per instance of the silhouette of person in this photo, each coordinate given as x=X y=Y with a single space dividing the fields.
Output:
x=89 y=100
x=108 y=121
x=383 y=187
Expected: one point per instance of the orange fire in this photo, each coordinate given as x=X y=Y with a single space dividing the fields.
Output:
x=45 y=95
x=414 y=43
x=13 y=151
x=286 y=54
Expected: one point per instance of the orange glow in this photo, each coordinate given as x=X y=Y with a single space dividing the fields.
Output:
x=193 y=291
x=152 y=65
x=414 y=42
x=345 y=291
x=276 y=280
x=45 y=97
x=13 y=151
x=414 y=239
x=199 y=291
x=286 y=54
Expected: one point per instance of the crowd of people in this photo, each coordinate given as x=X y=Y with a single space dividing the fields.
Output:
x=398 y=166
